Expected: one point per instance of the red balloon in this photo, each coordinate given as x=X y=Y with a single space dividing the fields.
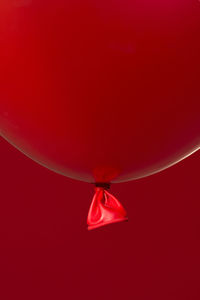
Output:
x=98 y=90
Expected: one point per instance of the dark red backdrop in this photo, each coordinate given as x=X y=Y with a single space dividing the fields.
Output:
x=47 y=253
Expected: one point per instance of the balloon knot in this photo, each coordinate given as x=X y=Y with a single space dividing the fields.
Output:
x=105 y=208
x=103 y=185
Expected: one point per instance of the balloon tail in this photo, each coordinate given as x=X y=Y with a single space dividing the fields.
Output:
x=105 y=209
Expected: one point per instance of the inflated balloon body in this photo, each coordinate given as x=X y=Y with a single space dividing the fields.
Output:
x=101 y=91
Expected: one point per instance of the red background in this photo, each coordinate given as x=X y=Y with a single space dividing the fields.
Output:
x=46 y=251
